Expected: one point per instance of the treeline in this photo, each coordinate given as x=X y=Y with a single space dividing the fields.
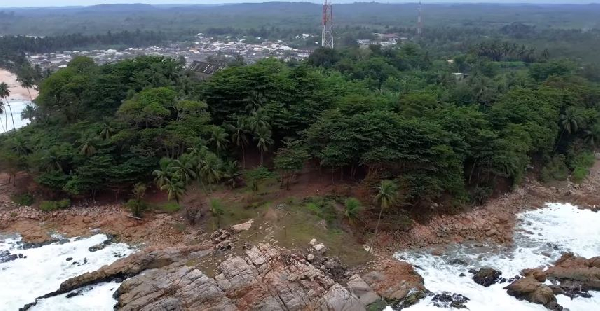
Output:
x=28 y=44
x=362 y=115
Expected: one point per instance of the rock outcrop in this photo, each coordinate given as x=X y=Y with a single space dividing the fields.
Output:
x=264 y=279
x=573 y=271
x=486 y=276
x=531 y=290
x=570 y=275
x=396 y=281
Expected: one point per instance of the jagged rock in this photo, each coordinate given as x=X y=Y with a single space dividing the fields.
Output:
x=395 y=280
x=243 y=226
x=448 y=300
x=486 y=276
x=6 y=256
x=537 y=274
x=574 y=271
x=362 y=290
x=531 y=290
x=320 y=248
x=265 y=279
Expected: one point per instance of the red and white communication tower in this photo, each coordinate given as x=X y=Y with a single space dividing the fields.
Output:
x=420 y=20
x=327 y=38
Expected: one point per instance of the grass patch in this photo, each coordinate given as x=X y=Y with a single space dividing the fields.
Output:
x=322 y=208
x=581 y=166
x=48 y=206
x=170 y=207
x=23 y=199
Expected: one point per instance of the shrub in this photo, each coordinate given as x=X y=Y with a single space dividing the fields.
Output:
x=136 y=207
x=322 y=208
x=193 y=213
x=556 y=169
x=480 y=195
x=581 y=166
x=353 y=207
x=48 y=206
x=24 y=199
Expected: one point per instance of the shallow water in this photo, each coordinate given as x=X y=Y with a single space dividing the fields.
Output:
x=553 y=230
x=6 y=121
x=46 y=267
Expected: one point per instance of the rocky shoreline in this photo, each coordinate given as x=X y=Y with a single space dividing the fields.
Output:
x=183 y=270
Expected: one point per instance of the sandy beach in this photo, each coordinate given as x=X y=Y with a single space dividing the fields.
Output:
x=17 y=92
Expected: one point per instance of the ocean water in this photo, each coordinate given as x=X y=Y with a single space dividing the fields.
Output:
x=540 y=238
x=6 y=122
x=46 y=267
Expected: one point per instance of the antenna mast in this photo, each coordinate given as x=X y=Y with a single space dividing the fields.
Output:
x=420 y=20
x=327 y=37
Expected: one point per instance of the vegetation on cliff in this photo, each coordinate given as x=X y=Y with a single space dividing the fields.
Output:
x=366 y=115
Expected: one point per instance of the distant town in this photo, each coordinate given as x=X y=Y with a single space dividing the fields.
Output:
x=196 y=53
x=205 y=54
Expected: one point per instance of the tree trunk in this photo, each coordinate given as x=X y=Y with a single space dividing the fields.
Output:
x=378 y=221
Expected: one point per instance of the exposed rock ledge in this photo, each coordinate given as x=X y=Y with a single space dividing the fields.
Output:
x=261 y=277
x=570 y=275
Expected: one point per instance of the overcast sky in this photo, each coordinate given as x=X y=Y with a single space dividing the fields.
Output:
x=45 y=3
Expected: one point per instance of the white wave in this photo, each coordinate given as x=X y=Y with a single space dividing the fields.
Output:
x=540 y=238
x=46 y=267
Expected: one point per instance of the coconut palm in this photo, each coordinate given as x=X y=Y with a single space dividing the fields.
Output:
x=175 y=189
x=352 y=206
x=218 y=137
x=4 y=94
x=239 y=137
x=263 y=141
x=387 y=194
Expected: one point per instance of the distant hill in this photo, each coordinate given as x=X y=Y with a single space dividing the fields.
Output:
x=139 y=7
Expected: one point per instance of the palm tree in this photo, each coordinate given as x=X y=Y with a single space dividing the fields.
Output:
x=387 y=194
x=28 y=113
x=106 y=131
x=4 y=94
x=27 y=82
x=240 y=137
x=175 y=189
x=87 y=147
x=162 y=175
x=352 y=206
x=263 y=141
x=184 y=168
x=218 y=137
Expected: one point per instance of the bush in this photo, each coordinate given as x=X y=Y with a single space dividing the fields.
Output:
x=556 y=169
x=581 y=166
x=480 y=195
x=322 y=208
x=353 y=207
x=136 y=207
x=170 y=207
x=48 y=206
x=24 y=199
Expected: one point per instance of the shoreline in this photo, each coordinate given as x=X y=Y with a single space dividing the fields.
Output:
x=17 y=92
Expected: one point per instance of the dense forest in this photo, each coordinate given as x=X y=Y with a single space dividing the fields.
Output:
x=437 y=122
x=400 y=115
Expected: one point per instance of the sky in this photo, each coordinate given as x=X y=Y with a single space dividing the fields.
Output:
x=46 y=3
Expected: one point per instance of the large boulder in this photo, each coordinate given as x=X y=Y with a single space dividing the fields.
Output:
x=486 y=276
x=396 y=280
x=532 y=290
x=576 y=272
x=357 y=286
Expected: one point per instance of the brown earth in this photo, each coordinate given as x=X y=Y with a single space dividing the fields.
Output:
x=493 y=221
